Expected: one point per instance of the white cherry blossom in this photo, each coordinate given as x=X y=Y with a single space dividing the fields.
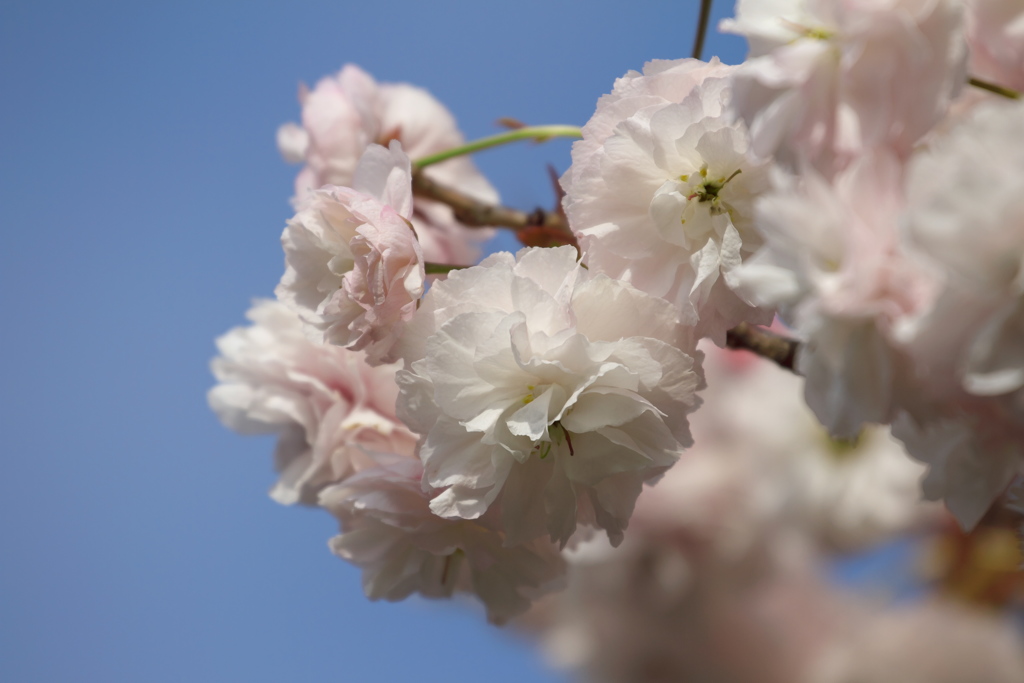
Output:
x=554 y=390
x=660 y=194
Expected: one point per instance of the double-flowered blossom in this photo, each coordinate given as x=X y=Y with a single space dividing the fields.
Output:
x=547 y=388
x=827 y=80
x=354 y=269
x=834 y=265
x=346 y=113
x=969 y=222
x=329 y=407
x=402 y=547
x=756 y=431
x=660 y=192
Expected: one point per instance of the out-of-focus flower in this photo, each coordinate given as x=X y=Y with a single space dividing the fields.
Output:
x=660 y=192
x=755 y=428
x=835 y=268
x=560 y=390
x=346 y=113
x=389 y=532
x=935 y=642
x=354 y=269
x=995 y=33
x=679 y=601
x=968 y=220
x=828 y=80
x=329 y=407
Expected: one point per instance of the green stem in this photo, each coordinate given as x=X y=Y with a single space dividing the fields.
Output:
x=992 y=87
x=440 y=268
x=535 y=133
x=702 y=28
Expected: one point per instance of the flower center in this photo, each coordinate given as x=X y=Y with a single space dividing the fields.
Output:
x=707 y=191
x=843 y=450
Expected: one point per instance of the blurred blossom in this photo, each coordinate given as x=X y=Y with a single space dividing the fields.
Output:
x=996 y=38
x=834 y=266
x=934 y=642
x=847 y=494
x=828 y=80
x=719 y=579
x=969 y=221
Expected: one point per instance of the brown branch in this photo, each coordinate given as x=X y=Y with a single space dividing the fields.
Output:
x=774 y=347
x=537 y=228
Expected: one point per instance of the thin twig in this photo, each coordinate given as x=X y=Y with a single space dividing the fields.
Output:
x=774 y=347
x=702 y=28
x=534 y=133
x=992 y=87
x=477 y=214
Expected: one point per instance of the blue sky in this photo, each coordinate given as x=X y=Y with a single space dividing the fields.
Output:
x=141 y=200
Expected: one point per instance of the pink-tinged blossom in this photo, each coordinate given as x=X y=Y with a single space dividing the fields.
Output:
x=755 y=428
x=389 y=532
x=660 y=610
x=548 y=388
x=827 y=80
x=995 y=33
x=346 y=113
x=660 y=192
x=719 y=581
x=329 y=407
x=709 y=585
x=835 y=268
x=966 y=215
x=938 y=641
x=354 y=269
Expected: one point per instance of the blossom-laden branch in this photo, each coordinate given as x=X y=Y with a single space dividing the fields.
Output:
x=536 y=228
x=776 y=348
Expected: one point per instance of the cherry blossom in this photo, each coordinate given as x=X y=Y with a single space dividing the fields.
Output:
x=827 y=80
x=967 y=346
x=328 y=405
x=660 y=193
x=389 y=531
x=834 y=266
x=996 y=37
x=346 y=113
x=560 y=390
x=755 y=430
x=354 y=268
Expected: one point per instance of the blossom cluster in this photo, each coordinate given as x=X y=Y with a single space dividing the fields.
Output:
x=498 y=429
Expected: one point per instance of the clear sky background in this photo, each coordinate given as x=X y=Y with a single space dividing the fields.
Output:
x=141 y=201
